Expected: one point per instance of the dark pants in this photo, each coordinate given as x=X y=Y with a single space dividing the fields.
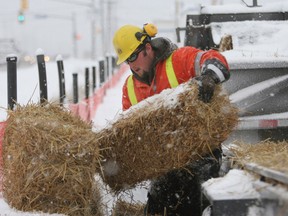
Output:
x=179 y=192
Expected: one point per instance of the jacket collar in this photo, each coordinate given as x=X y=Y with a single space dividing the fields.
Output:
x=163 y=48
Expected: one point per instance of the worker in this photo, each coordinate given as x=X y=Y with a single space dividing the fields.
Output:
x=157 y=64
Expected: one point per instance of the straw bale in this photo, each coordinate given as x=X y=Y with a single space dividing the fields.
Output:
x=123 y=208
x=162 y=133
x=50 y=159
x=269 y=154
x=226 y=43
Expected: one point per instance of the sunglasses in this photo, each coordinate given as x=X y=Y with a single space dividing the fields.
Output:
x=134 y=55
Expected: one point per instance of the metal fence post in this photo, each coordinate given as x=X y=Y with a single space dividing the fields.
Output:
x=42 y=76
x=87 y=85
x=61 y=76
x=75 y=88
x=94 y=78
x=11 y=81
x=108 y=67
x=102 y=71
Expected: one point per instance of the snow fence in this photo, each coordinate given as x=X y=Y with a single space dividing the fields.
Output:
x=87 y=108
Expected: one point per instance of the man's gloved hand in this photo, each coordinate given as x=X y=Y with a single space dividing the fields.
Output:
x=206 y=87
x=213 y=72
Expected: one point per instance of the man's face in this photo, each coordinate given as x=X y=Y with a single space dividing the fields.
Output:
x=142 y=63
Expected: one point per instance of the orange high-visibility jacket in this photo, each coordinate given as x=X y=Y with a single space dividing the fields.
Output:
x=186 y=63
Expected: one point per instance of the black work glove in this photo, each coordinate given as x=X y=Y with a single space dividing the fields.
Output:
x=212 y=73
x=206 y=87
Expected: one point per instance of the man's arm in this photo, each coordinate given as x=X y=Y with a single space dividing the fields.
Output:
x=214 y=70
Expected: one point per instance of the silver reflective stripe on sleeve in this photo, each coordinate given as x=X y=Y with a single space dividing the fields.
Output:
x=217 y=71
x=197 y=63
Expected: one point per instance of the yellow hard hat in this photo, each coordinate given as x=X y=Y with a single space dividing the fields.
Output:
x=128 y=38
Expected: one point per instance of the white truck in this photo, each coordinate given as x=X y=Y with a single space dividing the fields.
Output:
x=258 y=59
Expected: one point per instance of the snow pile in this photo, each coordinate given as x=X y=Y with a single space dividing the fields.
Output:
x=236 y=184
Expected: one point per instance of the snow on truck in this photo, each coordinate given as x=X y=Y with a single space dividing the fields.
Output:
x=253 y=38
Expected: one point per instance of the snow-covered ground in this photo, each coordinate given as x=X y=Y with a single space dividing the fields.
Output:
x=252 y=41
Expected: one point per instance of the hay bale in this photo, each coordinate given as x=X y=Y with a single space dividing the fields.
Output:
x=162 y=133
x=226 y=43
x=269 y=154
x=123 y=208
x=50 y=158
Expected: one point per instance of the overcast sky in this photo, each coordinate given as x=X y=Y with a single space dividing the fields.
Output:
x=49 y=24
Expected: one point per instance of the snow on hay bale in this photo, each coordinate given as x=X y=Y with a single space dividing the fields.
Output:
x=162 y=133
x=50 y=159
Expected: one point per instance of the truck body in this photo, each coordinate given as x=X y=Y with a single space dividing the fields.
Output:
x=258 y=86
